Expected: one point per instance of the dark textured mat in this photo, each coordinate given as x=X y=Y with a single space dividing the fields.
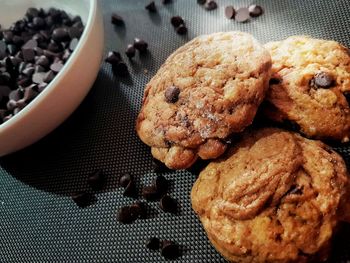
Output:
x=38 y=220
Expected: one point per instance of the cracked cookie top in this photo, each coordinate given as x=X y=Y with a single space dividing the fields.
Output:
x=206 y=90
x=275 y=197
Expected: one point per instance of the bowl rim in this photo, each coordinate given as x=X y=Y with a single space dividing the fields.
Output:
x=57 y=79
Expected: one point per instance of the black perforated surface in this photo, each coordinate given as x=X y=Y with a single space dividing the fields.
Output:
x=38 y=220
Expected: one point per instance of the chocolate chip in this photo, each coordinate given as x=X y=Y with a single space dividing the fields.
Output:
x=140 y=45
x=125 y=180
x=323 y=80
x=7 y=37
x=32 y=12
x=177 y=21
x=168 y=204
x=54 y=47
x=150 y=193
x=181 y=30
x=120 y=69
x=295 y=190
x=130 y=189
x=28 y=55
x=30 y=93
x=28 y=71
x=210 y=5
x=170 y=250
x=75 y=32
x=130 y=51
x=161 y=184
x=138 y=210
x=83 y=199
x=230 y=12
x=347 y=96
x=117 y=20
x=2 y=49
x=164 y=2
x=48 y=77
x=56 y=67
x=153 y=243
x=242 y=15
x=73 y=44
x=43 y=61
x=12 y=49
x=11 y=104
x=60 y=35
x=201 y=2
x=255 y=10
x=274 y=81
x=96 y=180
x=38 y=23
x=38 y=77
x=172 y=94
x=113 y=57
x=151 y=7
x=125 y=216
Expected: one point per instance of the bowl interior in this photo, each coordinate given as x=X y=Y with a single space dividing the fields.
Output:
x=13 y=10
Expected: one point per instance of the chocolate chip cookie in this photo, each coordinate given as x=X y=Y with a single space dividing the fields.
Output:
x=274 y=197
x=310 y=87
x=205 y=91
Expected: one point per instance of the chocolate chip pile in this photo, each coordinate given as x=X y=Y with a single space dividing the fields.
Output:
x=32 y=51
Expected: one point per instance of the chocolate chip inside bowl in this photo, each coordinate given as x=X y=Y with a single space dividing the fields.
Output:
x=34 y=49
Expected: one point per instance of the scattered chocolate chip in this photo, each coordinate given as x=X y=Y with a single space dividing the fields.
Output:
x=150 y=193
x=140 y=45
x=130 y=189
x=125 y=180
x=120 y=69
x=125 y=216
x=43 y=61
x=117 y=20
x=242 y=15
x=274 y=81
x=83 y=199
x=210 y=5
x=201 y=2
x=255 y=10
x=323 y=80
x=168 y=204
x=181 y=30
x=177 y=21
x=172 y=94
x=28 y=71
x=170 y=250
x=161 y=184
x=153 y=243
x=130 y=51
x=2 y=49
x=113 y=57
x=96 y=180
x=139 y=210
x=230 y=12
x=151 y=7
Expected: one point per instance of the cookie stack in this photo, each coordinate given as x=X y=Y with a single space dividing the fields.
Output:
x=274 y=195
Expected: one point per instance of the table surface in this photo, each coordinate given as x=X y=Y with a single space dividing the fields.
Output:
x=38 y=220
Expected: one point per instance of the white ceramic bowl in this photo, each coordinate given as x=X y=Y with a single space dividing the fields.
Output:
x=64 y=94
